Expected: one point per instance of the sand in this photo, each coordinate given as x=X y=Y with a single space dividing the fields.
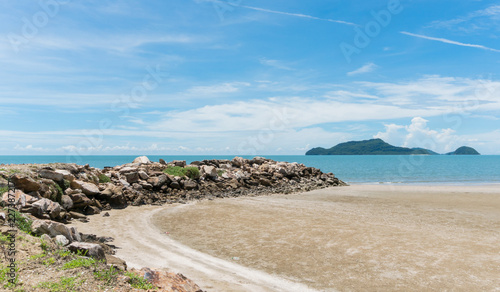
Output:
x=356 y=238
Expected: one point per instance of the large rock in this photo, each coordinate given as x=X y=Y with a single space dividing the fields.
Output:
x=53 y=229
x=61 y=240
x=88 y=249
x=167 y=281
x=132 y=177
x=66 y=202
x=25 y=183
x=89 y=189
x=159 y=181
x=50 y=174
x=142 y=160
x=46 y=206
x=208 y=171
x=66 y=174
x=80 y=200
x=18 y=199
x=190 y=184
x=180 y=163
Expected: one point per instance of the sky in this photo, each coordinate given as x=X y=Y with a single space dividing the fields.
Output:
x=254 y=77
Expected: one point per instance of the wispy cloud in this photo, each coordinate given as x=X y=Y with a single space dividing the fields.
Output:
x=447 y=41
x=488 y=13
x=299 y=15
x=367 y=68
x=274 y=63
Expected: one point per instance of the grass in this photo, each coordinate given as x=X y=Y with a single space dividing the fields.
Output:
x=190 y=171
x=48 y=262
x=220 y=172
x=78 y=263
x=104 y=179
x=4 y=190
x=106 y=275
x=22 y=223
x=139 y=282
x=65 y=284
x=5 y=280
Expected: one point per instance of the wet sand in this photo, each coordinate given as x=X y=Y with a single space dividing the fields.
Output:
x=357 y=238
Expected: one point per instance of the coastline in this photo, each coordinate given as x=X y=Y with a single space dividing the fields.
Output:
x=431 y=224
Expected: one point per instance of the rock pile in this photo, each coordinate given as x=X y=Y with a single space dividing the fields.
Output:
x=68 y=191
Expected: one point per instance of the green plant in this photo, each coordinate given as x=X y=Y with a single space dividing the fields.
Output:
x=190 y=171
x=79 y=262
x=220 y=172
x=64 y=284
x=107 y=275
x=37 y=256
x=104 y=179
x=5 y=279
x=22 y=223
x=49 y=261
x=66 y=184
x=63 y=253
x=139 y=282
x=58 y=196
x=4 y=190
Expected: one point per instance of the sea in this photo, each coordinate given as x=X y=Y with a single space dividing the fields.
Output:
x=352 y=169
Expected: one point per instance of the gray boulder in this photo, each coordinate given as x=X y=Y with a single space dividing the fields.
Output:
x=50 y=174
x=88 y=249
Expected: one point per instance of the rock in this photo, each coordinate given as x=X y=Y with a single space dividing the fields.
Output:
x=162 y=162
x=18 y=199
x=61 y=240
x=105 y=214
x=208 y=171
x=118 y=201
x=166 y=281
x=80 y=200
x=159 y=181
x=132 y=177
x=92 y=210
x=142 y=160
x=53 y=229
x=25 y=184
x=180 y=163
x=77 y=215
x=46 y=206
x=88 y=249
x=190 y=184
x=238 y=161
x=87 y=188
x=66 y=174
x=66 y=202
x=49 y=174
x=116 y=263
x=143 y=175
x=265 y=182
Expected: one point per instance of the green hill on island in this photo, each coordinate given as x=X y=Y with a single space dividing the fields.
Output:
x=379 y=147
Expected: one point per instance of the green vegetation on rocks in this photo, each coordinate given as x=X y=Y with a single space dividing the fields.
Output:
x=189 y=171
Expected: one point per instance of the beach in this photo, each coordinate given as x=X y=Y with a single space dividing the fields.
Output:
x=355 y=238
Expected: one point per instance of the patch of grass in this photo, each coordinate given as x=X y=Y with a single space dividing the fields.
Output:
x=63 y=253
x=5 y=280
x=220 y=172
x=37 y=256
x=22 y=223
x=104 y=179
x=3 y=190
x=58 y=196
x=78 y=263
x=66 y=184
x=190 y=171
x=50 y=261
x=65 y=284
x=106 y=275
x=139 y=282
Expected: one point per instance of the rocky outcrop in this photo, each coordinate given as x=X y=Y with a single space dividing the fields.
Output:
x=167 y=281
x=88 y=249
x=63 y=192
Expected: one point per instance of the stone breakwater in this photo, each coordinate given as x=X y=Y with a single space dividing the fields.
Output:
x=62 y=192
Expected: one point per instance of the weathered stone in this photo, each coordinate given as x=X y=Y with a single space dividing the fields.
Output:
x=77 y=215
x=52 y=229
x=159 y=181
x=116 y=263
x=128 y=169
x=25 y=184
x=142 y=160
x=162 y=162
x=132 y=177
x=88 y=249
x=92 y=210
x=87 y=188
x=208 y=171
x=265 y=182
x=143 y=175
x=18 y=199
x=61 y=240
x=66 y=174
x=180 y=163
x=66 y=202
x=118 y=201
x=238 y=161
x=50 y=174
x=46 y=206
x=166 y=281
x=80 y=200
x=190 y=184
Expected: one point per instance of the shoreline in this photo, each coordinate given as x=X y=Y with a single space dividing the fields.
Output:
x=364 y=200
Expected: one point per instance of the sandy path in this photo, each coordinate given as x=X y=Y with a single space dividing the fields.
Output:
x=141 y=244
x=358 y=238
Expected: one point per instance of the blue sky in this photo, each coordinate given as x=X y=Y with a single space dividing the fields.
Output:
x=247 y=77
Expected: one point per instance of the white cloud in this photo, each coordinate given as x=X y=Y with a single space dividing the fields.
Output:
x=274 y=63
x=447 y=41
x=479 y=19
x=418 y=134
x=367 y=68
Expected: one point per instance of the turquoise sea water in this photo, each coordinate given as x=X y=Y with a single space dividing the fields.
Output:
x=362 y=169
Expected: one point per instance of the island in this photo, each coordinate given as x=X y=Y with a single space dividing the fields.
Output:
x=380 y=147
